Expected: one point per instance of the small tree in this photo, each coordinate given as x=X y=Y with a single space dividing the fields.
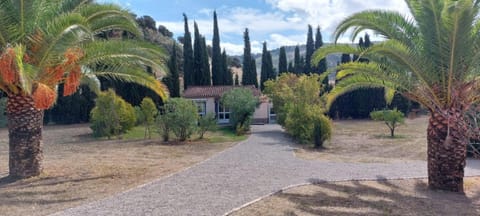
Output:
x=181 y=116
x=206 y=123
x=241 y=103
x=392 y=118
x=149 y=111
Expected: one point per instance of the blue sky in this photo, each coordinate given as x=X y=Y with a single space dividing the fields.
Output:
x=278 y=22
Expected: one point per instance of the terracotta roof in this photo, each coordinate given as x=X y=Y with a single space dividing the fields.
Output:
x=215 y=91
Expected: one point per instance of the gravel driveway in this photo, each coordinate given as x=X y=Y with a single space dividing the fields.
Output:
x=263 y=164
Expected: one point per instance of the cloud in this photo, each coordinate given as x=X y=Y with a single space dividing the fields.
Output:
x=285 y=23
x=328 y=13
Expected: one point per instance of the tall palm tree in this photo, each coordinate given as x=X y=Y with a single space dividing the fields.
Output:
x=44 y=43
x=430 y=56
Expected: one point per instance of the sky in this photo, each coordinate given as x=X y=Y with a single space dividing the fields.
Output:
x=278 y=22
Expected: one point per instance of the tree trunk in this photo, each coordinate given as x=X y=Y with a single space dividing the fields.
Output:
x=447 y=151
x=25 y=135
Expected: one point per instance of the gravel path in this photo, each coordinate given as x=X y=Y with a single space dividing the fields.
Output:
x=263 y=164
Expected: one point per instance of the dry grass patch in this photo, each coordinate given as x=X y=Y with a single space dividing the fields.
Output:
x=80 y=169
x=368 y=142
x=355 y=198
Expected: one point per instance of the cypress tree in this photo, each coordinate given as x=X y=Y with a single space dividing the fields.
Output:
x=227 y=73
x=172 y=80
x=310 y=50
x=367 y=43
x=297 y=61
x=205 y=78
x=217 y=68
x=264 y=69
x=272 y=74
x=282 y=61
x=253 y=68
x=249 y=76
x=322 y=65
x=290 y=69
x=197 y=56
x=187 y=56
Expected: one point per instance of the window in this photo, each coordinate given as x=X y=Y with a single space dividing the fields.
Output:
x=202 y=107
x=223 y=114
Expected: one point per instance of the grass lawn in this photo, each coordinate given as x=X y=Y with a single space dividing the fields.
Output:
x=80 y=169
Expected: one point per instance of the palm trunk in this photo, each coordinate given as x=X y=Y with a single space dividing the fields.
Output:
x=25 y=136
x=447 y=151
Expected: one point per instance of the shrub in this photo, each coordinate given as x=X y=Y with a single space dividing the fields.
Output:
x=299 y=107
x=241 y=103
x=206 y=123
x=307 y=124
x=148 y=112
x=392 y=118
x=111 y=115
x=180 y=116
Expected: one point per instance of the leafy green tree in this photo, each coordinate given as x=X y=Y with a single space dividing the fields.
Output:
x=149 y=111
x=188 y=61
x=249 y=76
x=206 y=123
x=47 y=43
x=282 y=62
x=172 y=81
x=241 y=103
x=310 y=50
x=181 y=116
x=217 y=68
x=112 y=115
x=431 y=58
x=391 y=118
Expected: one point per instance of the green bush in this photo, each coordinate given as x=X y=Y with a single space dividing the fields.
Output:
x=299 y=107
x=180 y=116
x=206 y=123
x=241 y=103
x=392 y=118
x=111 y=115
x=307 y=124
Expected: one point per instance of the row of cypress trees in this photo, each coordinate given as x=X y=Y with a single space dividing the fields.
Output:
x=196 y=62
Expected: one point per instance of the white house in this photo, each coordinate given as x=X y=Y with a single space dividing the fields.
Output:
x=207 y=99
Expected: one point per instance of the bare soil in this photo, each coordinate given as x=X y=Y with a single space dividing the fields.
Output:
x=372 y=198
x=367 y=141
x=80 y=169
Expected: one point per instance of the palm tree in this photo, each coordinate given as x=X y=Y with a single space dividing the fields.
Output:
x=44 y=43
x=430 y=57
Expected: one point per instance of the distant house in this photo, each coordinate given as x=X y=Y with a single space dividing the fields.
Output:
x=208 y=98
